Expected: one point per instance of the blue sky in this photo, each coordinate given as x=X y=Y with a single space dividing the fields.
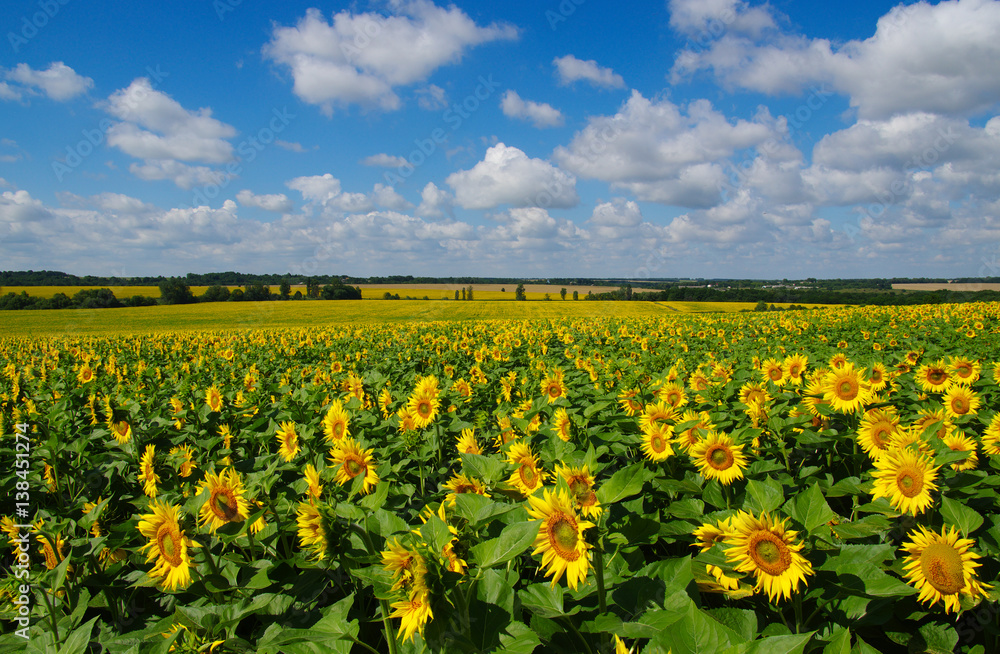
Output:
x=680 y=138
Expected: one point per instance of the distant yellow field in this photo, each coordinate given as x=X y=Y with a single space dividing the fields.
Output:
x=243 y=315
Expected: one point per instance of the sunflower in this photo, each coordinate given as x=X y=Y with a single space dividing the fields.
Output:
x=838 y=360
x=717 y=457
x=167 y=545
x=213 y=398
x=528 y=477
x=959 y=442
x=459 y=484
x=661 y=412
x=656 y=442
x=225 y=503
x=906 y=478
x=964 y=371
x=463 y=388
x=561 y=423
x=427 y=387
x=933 y=377
x=186 y=454
x=846 y=390
x=876 y=431
x=406 y=421
x=85 y=375
x=335 y=422
x=553 y=387
x=620 y=647
x=122 y=431
x=466 y=443
x=407 y=566
x=942 y=567
x=53 y=548
x=560 y=538
x=772 y=370
x=581 y=485
x=414 y=613
x=754 y=392
x=385 y=402
x=672 y=395
x=960 y=401
x=692 y=434
x=312 y=531
x=147 y=474
x=288 y=440
x=991 y=437
x=795 y=365
x=629 y=401
x=878 y=377
x=765 y=548
x=351 y=461
x=930 y=417
x=423 y=409
x=709 y=533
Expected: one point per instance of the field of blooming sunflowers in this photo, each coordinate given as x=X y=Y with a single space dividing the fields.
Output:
x=812 y=481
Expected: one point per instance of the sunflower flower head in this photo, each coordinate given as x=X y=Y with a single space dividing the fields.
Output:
x=942 y=567
x=560 y=538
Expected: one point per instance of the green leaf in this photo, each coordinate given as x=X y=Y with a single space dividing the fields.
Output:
x=545 y=600
x=840 y=643
x=624 y=483
x=956 y=513
x=787 y=644
x=519 y=639
x=435 y=533
x=697 y=633
x=934 y=638
x=594 y=408
x=480 y=510
x=514 y=539
x=78 y=641
x=863 y=528
x=810 y=508
x=868 y=579
x=742 y=621
x=482 y=467
x=763 y=497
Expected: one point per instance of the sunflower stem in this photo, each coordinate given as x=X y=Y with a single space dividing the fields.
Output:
x=797 y=605
x=390 y=635
x=572 y=627
x=602 y=595
x=52 y=615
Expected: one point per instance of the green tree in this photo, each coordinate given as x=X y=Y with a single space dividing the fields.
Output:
x=562 y=293
x=173 y=290
x=576 y=295
x=215 y=294
x=456 y=293
x=469 y=297
x=519 y=293
x=284 y=289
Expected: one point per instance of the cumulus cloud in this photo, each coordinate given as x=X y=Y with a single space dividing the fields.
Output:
x=59 y=82
x=184 y=176
x=360 y=58
x=387 y=198
x=291 y=146
x=942 y=58
x=569 y=69
x=432 y=98
x=384 y=160
x=155 y=126
x=704 y=19
x=506 y=175
x=435 y=202
x=20 y=207
x=324 y=191
x=617 y=213
x=277 y=202
x=662 y=154
x=540 y=114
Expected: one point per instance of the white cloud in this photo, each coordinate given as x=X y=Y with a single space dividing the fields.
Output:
x=359 y=58
x=291 y=146
x=59 y=82
x=387 y=198
x=540 y=114
x=705 y=19
x=277 y=202
x=506 y=175
x=9 y=93
x=432 y=98
x=660 y=154
x=20 y=207
x=942 y=58
x=183 y=175
x=435 y=202
x=384 y=160
x=570 y=69
x=155 y=126
x=617 y=213
x=325 y=191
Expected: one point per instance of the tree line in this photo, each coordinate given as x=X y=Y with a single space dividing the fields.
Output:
x=176 y=290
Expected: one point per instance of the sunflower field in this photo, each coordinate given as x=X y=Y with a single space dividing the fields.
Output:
x=809 y=481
